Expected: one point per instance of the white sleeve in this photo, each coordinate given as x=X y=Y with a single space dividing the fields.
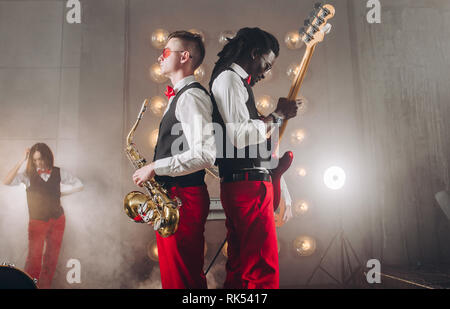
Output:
x=230 y=96
x=285 y=191
x=194 y=111
x=19 y=179
x=69 y=183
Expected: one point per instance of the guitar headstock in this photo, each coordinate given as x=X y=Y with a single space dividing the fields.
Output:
x=317 y=26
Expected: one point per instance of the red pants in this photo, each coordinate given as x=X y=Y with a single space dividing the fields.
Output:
x=181 y=255
x=51 y=232
x=252 y=240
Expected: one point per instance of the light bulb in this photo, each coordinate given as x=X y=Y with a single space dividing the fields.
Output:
x=293 y=40
x=159 y=38
x=298 y=136
x=224 y=35
x=200 y=73
x=293 y=70
x=264 y=104
x=158 y=105
x=154 y=138
x=304 y=246
x=156 y=75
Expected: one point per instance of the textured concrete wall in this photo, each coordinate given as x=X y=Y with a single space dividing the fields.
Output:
x=62 y=84
x=403 y=67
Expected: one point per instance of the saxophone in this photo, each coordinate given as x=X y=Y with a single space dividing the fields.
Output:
x=155 y=207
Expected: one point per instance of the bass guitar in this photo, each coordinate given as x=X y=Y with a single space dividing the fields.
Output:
x=313 y=32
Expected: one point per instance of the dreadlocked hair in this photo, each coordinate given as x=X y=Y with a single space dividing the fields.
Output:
x=241 y=46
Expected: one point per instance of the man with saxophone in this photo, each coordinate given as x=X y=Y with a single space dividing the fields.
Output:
x=246 y=190
x=185 y=147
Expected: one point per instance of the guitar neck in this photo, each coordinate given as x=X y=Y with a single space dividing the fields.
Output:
x=296 y=84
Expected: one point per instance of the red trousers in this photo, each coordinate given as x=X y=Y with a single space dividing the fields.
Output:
x=40 y=232
x=181 y=255
x=252 y=240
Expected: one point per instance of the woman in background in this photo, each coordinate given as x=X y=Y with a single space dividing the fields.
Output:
x=47 y=221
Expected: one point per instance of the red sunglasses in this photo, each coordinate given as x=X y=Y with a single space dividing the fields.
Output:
x=166 y=52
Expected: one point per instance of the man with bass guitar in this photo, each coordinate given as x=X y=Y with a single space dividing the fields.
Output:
x=244 y=158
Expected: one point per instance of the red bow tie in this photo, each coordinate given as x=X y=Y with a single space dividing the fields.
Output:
x=249 y=79
x=169 y=92
x=42 y=171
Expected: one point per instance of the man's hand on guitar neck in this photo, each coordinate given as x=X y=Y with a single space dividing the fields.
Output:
x=287 y=109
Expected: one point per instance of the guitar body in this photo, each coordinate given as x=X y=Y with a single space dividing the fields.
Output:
x=283 y=165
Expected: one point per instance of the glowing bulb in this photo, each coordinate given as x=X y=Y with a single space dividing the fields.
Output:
x=224 y=35
x=304 y=106
x=159 y=38
x=199 y=73
x=301 y=171
x=152 y=251
x=293 y=70
x=300 y=208
x=298 y=136
x=293 y=40
x=156 y=75
x=158 y=105
x=154 y=138
x=264 y=104
x=334 y=178
x=199 y=32
x=304 y=246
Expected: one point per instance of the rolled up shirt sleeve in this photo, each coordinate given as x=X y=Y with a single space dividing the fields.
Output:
x=69 y=183
x=20 y=178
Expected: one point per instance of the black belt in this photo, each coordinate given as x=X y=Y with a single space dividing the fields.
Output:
x=246 y=175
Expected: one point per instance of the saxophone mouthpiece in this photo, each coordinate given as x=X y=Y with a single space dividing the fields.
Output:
x=144 y=107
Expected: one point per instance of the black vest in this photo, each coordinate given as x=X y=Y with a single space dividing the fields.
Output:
x=250 y=156
x=44 y=196
x=166 y=139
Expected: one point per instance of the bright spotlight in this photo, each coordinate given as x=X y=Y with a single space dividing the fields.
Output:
x=334 y=178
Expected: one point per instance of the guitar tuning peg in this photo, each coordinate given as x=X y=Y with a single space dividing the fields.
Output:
x=302 y=31
x=326 y=29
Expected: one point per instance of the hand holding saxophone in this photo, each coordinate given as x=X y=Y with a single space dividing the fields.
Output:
x=144 y=174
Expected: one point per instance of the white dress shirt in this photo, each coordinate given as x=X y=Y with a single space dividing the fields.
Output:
x=69 y=183
x=194 y=112
x=231 y=95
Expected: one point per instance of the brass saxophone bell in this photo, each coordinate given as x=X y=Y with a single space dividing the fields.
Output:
x=170 y=223
x=140 y=208
x=135 y=203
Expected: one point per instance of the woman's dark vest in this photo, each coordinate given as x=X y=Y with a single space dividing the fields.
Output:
x=44 y=196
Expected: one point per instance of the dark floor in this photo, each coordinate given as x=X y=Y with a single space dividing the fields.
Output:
x=397 y=278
